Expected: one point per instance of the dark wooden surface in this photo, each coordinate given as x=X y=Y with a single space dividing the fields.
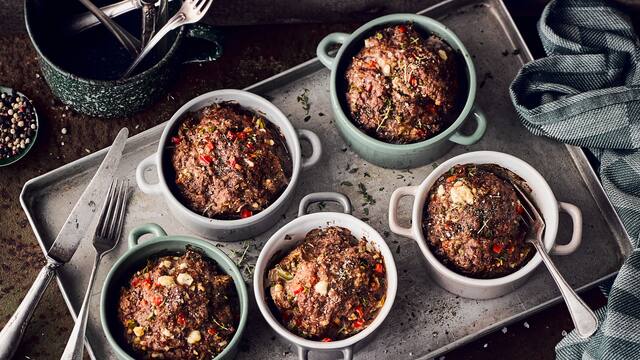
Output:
x=252 y=53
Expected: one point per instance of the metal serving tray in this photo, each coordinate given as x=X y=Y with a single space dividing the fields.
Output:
x=426 y=320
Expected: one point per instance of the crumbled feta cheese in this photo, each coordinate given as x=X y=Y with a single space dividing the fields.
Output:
x=138 y=330
x=461 y=194
x=194 y=337
x=321 y=287
x=166 y=280
x=184 y=279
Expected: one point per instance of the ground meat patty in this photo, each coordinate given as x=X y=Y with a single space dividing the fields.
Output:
x=229 y=162
x=473 y=224
x=401 y=87
x=329 y=287
x=179 y=307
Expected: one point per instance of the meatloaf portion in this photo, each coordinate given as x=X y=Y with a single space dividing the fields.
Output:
x=179 y=307
x=402 y=87
x=473 y=224
x=329 y=287
x=229 y=162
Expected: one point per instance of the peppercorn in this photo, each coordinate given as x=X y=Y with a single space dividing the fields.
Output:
x=17 y=124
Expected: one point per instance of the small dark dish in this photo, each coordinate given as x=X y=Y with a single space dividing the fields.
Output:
x=30 y=125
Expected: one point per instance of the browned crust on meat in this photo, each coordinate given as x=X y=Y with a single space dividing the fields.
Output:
x=401 y=87
x=229 y=162
x=329 y=287
x=161 y=309
x=473 y=225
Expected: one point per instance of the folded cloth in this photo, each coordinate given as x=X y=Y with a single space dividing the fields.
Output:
x=586 y=92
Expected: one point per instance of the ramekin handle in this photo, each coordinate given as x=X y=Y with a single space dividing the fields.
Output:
x=394 y=225
x=481 y=127
x=323 y=47
x=146 y=187
x=316 y=148
x=576 y=237
x=324 y=196
x=137 y=233
x=347 y=352
x=303 y=353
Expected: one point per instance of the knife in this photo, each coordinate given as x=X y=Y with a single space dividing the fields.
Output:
x=85 y=21
x=65 y=245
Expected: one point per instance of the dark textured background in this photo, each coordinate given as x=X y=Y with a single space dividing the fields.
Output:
x=253 y=52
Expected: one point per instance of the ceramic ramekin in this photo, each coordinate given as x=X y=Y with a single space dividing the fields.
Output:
x=542 y=197
x=288 y=237
x=229 y=230
x=136 y=257
x=384 y=154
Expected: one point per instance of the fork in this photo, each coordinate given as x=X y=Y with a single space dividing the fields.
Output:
x=584 y=319
x=191 y=11
x=105 y=239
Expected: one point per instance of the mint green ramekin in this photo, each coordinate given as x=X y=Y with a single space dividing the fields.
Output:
x=398 y=156
x=137 y=256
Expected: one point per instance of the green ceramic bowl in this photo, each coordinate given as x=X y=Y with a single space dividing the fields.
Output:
x=20 y=155
x=398 y=156
x=86 y=93
x=136 y=257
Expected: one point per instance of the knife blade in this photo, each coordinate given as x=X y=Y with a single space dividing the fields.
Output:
x=73 y=231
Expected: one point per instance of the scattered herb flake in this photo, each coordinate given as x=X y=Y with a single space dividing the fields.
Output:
x=307 y=118
x=369 y=200
x=365 y=211
x=304 y=100
x=353 y=171
x=366 y=174
x=346 y=183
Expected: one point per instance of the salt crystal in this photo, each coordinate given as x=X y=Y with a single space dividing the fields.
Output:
x=526 y=324
x=485 y=345
x=504 y=330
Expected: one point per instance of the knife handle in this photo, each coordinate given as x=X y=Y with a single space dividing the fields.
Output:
x=14 y=329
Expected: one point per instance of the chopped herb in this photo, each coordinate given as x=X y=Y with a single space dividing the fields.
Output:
x=365 y=211
x=320 y=114
x=353 y=171
x=322 y=205
x=379 y=36
x=307 y=118
x=304 y=100
x=381 y=189
x=366 y=174
x=435 y=165
x=369 y=200
x=346 y=183
x=364 y=219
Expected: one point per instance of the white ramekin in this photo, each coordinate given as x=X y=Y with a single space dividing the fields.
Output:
x=542 y=197
x=289 y=236
x=230 y=230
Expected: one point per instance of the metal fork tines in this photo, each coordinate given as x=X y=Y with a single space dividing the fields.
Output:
x=105 y=239
x=584 y=319
x=191 y=11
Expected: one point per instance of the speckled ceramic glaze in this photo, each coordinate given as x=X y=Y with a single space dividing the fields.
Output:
x=136 y=258
x=118 y=98
x=398 y=156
